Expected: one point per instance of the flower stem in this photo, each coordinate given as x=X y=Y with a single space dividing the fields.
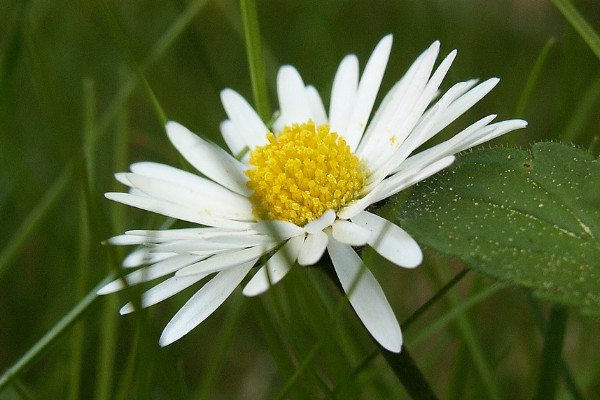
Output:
x=401 y=363
x=551 y=357
x=409 y=374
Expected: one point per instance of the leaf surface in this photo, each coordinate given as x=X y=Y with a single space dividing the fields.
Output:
x=529 y=217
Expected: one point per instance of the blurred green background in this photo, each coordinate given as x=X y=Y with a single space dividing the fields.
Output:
x=68 y=121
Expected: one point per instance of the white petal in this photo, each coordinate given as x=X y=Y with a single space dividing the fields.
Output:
x=366 y=296
x=367 y=92
x=278 y=229
x=412 y=129
x=275 y=268
x=465 y=102
x=293 y=99
x=122 y=178
x=175 y=211
x=209 y=159
x=499 y=128
x=407 y=178
x=188 y=246
x=162 y=291
x=210 y=199
x=350 y=233
x=232 y=138
x=154 y=271
x=320 y=223
x=343 y=93
x=358 y=205
x=313 y=248
x=223 y=261
x=317 y=109
x=390 y=241
x=203 y=303
x=127 y=240
x=443 y=149
x=157 y=236
x=393 y=155
x=398 y=105
x=245 y=119
x=143 y=256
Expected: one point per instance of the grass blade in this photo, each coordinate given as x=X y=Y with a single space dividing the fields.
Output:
x=579 y=23
x=256 y=61
x=35 y=351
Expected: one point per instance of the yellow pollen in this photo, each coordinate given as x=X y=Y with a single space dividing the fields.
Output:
x=302 y=172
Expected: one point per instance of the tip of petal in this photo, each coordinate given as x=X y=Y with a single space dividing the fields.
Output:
x=394 y=347
x=387 y=40
x=492 y=82
x=176 y=131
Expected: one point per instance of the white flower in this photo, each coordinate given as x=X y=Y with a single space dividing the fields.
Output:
x=301 y=191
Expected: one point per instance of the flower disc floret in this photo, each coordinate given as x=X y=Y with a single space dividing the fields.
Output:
x=302 y=172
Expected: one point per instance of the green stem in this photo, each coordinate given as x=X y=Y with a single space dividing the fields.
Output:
x=401 y=363
x=551 y=357
x=409 y=374
x=255 y=58
x=35 y=351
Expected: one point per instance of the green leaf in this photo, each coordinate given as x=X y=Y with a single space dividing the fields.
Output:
x=531 y=218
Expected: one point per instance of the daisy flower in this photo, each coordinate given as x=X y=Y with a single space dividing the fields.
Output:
x=298 y=188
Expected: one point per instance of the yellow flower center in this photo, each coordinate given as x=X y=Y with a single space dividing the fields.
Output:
x=302 y=172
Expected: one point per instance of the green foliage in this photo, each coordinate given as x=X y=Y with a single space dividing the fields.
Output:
x=84 y=87
x=531 y=218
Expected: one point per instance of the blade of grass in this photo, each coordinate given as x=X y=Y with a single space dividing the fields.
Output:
x=182 y=22
x=109 y=328
x=437 y=296
x=566 y=372
x=466 y=333
x=584 y=109
x=61 y=183
x=35 y=217
x=217 y=358
x=62 y=326
x=579 y=23
x=533 y=78
x=256 y=61
x=119 y=38
x=550 y=366
x=84 y=239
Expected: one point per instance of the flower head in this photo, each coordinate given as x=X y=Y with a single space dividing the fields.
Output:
x=300 y=190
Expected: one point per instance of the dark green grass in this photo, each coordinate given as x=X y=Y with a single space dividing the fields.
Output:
x=72 y=113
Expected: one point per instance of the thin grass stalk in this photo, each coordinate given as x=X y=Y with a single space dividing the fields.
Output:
x=256 y=61
x=61 y=183
x=542 y=326
x=585 y=30
x=84 y=236
x=533 y=78
x=59 y=329
x=219 y=352
x=585 y=109
x=109 y=327
x=466 y=333
x=119 y=37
